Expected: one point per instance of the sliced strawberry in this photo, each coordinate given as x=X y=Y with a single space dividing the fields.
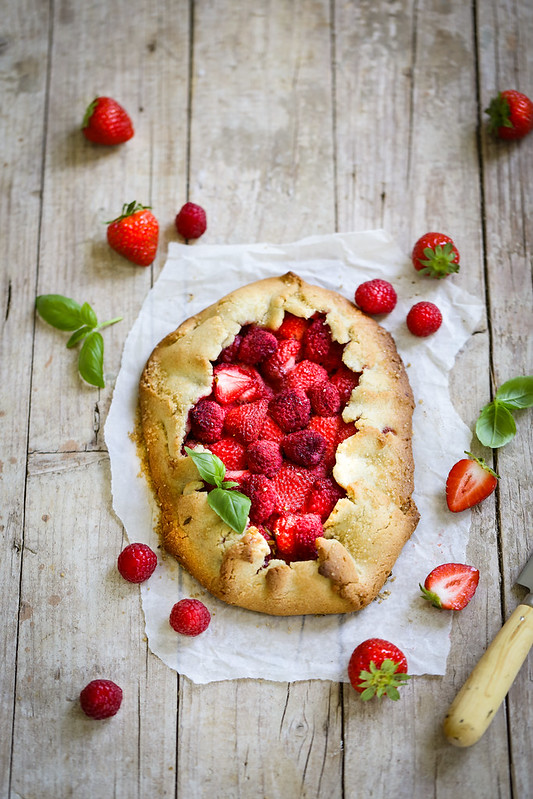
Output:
x=451 y=586
x=237 y=475
x=292 y=485
x=305 y=375
x=469 y=482
x=245 y=421
x=231 y=452
x=236 y=383
x=296 y=535
x=292 y=327
x=278 y=366
x=323 y=497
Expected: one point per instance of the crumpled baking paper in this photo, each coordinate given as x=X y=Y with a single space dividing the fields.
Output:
x=241 y=643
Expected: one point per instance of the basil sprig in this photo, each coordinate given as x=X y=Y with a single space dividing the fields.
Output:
x=496 y=425
x=66 y=314
x=232 y=506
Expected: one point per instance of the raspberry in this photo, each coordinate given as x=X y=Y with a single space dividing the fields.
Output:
x=376 y=297
x=207 y=420
x=317 y=341
x=323 y=497
x=101 y=699
x=231 y=452
x=292 y=327
x=189 y=617
x=229 y=353
x=136 y=563
x=304 y=447
x=296 y=535
x=263 y=496
x=325 y=399
x=191 y=221
x=305 y=375
x=290 y=410
x=264 y=457
x=423 y=319
x=245 y=421
x=257 y=345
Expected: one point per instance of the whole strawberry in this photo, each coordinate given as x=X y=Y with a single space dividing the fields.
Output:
x=450 y=586
x=106 y=122
x=377 y=668
x=511 y=115
x=134 y=234
x=136 y=563
x=189 y=617
x=435 y=255
x=101 y=699
x=191 y=221
x=423 y=319
x=376 y=297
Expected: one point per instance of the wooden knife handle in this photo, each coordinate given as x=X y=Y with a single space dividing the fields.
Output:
x=476 y=704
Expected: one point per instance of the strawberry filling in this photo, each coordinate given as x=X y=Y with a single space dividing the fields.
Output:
x=274 y=418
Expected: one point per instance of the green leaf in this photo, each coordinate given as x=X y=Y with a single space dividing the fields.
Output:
x=60 y=312
x=232 y=507
x=516 y=393
x=91 y=360
x=495 y=426
x=77 y=336
x=88 y=315
x=210 y=467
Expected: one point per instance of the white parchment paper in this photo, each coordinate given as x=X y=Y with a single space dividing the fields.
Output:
x=241 y=643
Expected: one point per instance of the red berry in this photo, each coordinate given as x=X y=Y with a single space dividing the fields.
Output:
x=304 y=447
x=436 y=255
x=323 y=497
x=305 y=375
x=257 y=345
x=231 y=452
x=189 y=617
x=292 y=327
x=245 y=421
x=207 y=421
x=263 y=496
x=423 y=319
x=101 y=699
x=376 y=297
x=136 y=563
x=264 y=457
x=511 y=115
x=134 y=234
x=317 y=341
x=450 y=586
x=377 y=668
x=291 y=410
x=191 y=221
x=325 y=399
x=281 y=362
x=106 y=122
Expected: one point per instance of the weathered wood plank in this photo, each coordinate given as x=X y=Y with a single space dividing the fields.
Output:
x=407 y=159
x=262 y=166
x=505 y=31
x=23 y=70
x=79 y=621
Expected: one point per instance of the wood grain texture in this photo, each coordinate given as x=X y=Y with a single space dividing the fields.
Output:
x=282 y=120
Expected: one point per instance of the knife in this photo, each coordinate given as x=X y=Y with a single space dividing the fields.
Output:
x=476 y=704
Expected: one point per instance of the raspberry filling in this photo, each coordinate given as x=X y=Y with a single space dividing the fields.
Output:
x=274 y=417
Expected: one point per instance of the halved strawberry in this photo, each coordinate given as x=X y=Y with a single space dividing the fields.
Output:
x=305 y=375
x=237 y=383
x=245 y=421
x=271 y=431
x=450 y=586
x=292 y=484
x=292 y=327
x=231 y=452
x=335 y=430
x=323 y=497
x=469 y=482
x=296 y=535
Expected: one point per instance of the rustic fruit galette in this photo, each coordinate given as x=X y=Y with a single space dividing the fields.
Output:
x=305 y=401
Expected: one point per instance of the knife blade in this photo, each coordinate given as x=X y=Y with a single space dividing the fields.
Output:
x=475 y=705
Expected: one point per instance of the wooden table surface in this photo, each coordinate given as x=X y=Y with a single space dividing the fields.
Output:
x=283 y=119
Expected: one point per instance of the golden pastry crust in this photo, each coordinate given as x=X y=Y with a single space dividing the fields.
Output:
x=366 y=530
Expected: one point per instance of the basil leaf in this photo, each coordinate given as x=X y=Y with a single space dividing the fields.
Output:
x=88 y=316
x=232 y=507
x=517 y=392
x=210 y=467
x=495 y=426
x=60 y=312
x=91 y=360
x=77 y=336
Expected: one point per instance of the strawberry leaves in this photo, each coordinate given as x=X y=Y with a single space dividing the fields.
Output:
x=232 y=506
x=496 y=425
x=382 y=681
x=66 y=314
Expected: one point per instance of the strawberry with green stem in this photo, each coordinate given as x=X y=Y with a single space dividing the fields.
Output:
x=511 y=115
x=435 y=255
x=378 y=668
x=134 y=234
